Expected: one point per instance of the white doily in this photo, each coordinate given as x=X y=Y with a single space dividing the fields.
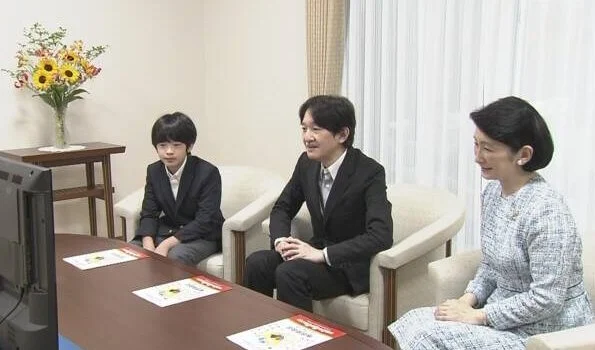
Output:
x=65 y=149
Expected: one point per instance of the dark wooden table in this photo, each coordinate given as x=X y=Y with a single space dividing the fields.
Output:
x=92 y=153
x=97 y=310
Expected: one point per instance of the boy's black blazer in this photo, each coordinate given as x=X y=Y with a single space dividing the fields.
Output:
x=195 y=213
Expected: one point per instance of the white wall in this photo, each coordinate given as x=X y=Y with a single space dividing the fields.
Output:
x=236 y=67
x=155 y=64
x=255 y=59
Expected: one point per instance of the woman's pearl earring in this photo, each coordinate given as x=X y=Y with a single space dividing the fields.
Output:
x=519 y=162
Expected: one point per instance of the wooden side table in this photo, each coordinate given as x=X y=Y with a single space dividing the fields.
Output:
x=92 y=153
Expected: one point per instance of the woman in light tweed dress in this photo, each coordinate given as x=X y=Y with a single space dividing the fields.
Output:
x=530 y=279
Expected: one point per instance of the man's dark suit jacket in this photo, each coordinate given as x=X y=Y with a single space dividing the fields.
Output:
x=356 y=223
x=195 y=213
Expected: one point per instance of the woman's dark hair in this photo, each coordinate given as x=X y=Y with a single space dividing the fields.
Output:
x=176 y=127
x=515 y=123
x=332 y=113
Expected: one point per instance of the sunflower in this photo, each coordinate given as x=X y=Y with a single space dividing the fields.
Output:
x=71 y=56
x=69 y=73
x=48 y=64
x=42 y=80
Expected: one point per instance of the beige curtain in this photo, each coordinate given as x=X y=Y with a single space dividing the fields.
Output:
x=325 y=41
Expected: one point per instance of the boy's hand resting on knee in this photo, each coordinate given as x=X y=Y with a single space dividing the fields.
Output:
x=164 y=247
x=293 y=248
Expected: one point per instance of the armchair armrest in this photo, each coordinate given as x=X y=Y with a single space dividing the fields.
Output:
x=450 y=276
x=130 y=206
x=421 y=242
x=579 y=338
x=253 y=214
x=129 y=209
x=266 y=227
x=241 y=234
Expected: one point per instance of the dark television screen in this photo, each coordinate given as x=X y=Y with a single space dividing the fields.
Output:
x=28 y=310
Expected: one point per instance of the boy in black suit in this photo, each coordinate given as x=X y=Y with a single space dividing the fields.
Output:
x=345 y=192
x=181 y=216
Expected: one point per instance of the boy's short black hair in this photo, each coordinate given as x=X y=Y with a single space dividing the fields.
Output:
x=515 y=123
x=176 y=127
x=332 y=113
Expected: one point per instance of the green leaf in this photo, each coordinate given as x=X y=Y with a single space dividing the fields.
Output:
x=58 y=96
x=71 y=98
x=61 y=89
x=12 y=75
x=77 y=91
x=47 y=99
x=73 y=95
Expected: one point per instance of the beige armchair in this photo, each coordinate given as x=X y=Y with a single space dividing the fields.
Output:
x=450 y=277
x=424 y=220
x=247 y=197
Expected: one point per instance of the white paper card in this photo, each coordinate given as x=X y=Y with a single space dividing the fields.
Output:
x=179 y=291
x=294 y=333
x=104 y=258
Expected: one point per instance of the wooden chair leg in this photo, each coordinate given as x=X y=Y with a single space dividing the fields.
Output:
x=239 y=238
x=390 y=304
x=123 y=228
x=90 y=174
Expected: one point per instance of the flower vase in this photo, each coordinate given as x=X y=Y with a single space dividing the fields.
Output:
x=60 y=128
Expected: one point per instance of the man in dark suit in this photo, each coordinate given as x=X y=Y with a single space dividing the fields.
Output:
x=181 y=216
x=345 y=192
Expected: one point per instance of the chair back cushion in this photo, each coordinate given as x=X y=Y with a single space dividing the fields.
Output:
x=414 y=207
x=301 y=225
x=241 y=185
x=213 y=265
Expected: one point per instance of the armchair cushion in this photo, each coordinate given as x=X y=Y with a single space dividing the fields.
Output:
x=213 y=265
x=350 y=310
